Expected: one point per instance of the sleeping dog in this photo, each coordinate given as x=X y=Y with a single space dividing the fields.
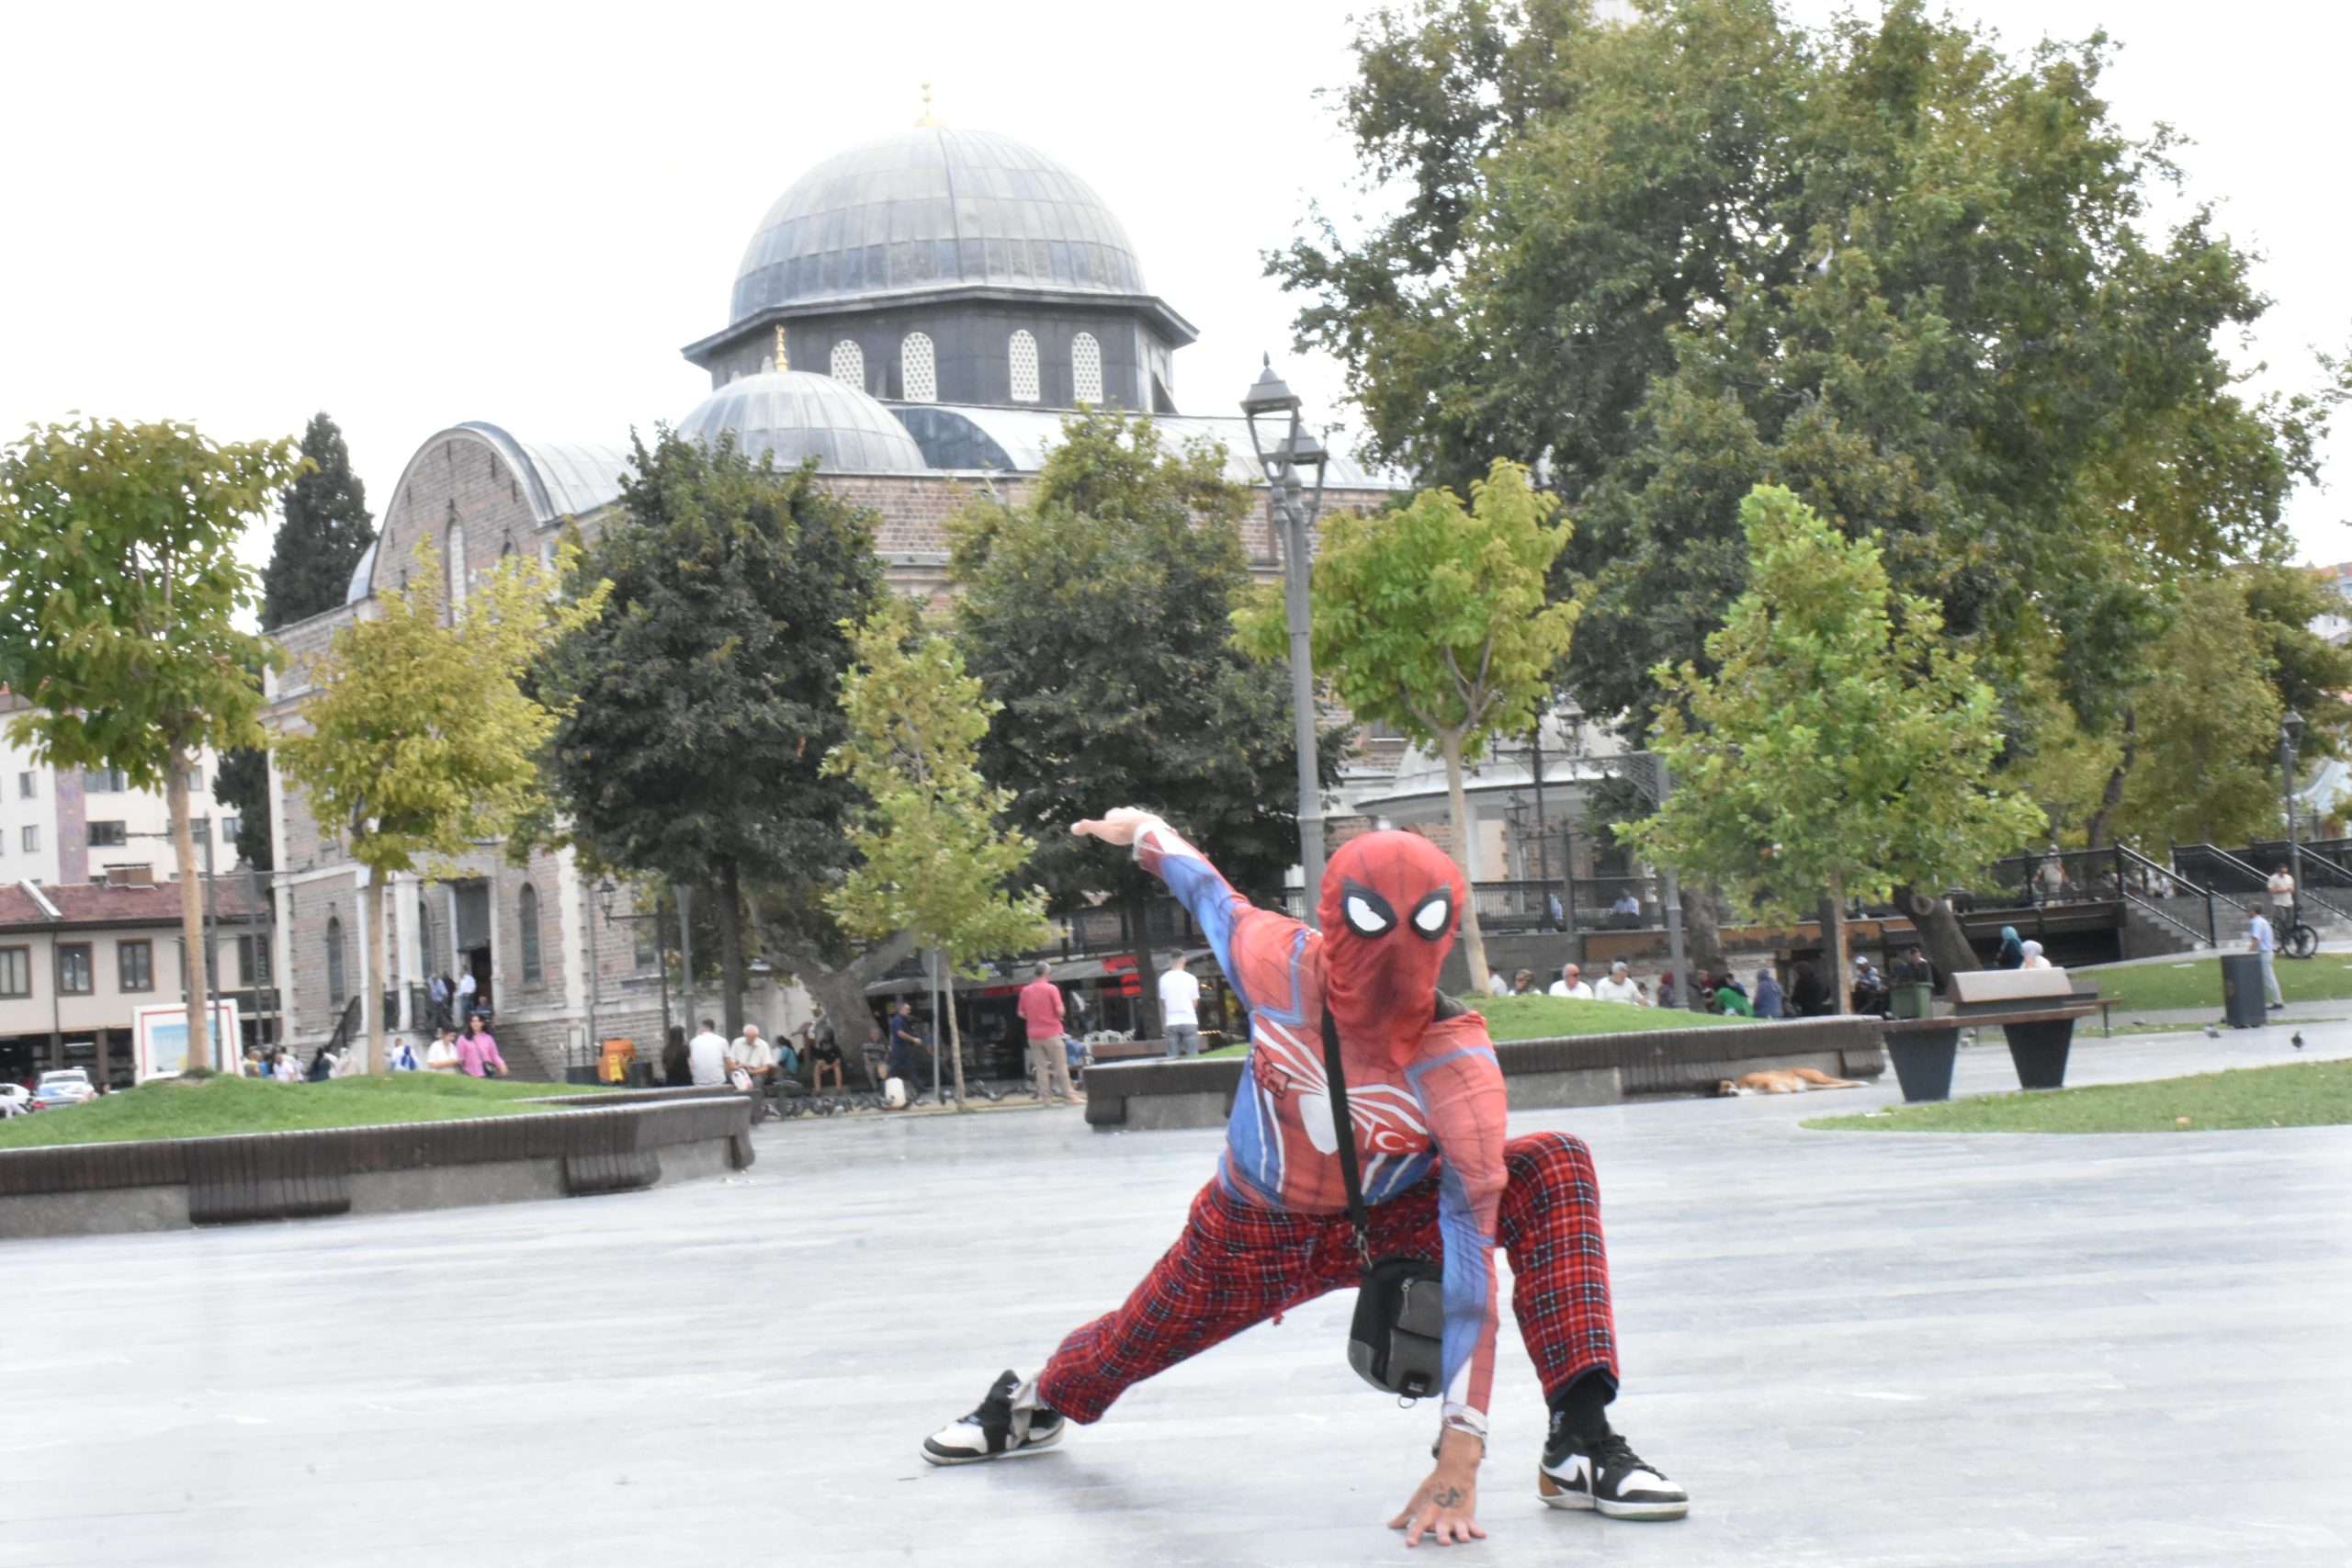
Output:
x=1784 y=1080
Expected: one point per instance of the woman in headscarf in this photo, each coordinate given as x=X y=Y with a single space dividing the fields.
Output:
x=2032 y=958
x=2012 y=953
x=1768 y=1001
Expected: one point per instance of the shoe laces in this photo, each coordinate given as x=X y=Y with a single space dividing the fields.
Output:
x=1616 y=1453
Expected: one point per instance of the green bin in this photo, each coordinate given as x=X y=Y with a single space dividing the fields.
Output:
x=1917 y=999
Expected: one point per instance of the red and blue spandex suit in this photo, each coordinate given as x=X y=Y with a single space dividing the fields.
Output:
x=1425 y=1101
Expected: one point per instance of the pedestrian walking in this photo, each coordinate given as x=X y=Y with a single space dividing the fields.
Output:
x=463 y=993
x=1041 y=1011
x=441 y=1056
x=1180 y=1008
x=439 y=991
x=478 y=1055
x=2261 y=939
x=2012 y=952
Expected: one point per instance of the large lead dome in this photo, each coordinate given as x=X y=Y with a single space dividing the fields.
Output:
x=927 y=208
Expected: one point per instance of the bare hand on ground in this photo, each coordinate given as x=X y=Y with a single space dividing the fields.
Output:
x=1444 y=1508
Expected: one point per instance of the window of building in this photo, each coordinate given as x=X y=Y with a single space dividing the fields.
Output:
x=1024 y=367
x=918 y=369
x=25 y=787
x=228 y=825
x=72 y=968
x=30 y=839
x=134 y=965
x=252 y=960
x=526 y=910
x=1086 y=368
x=337 y=992
x=108 y=836
x=849 y=363
x=196 y=781
x=103 y=780
x=454 y=559
x=646 y=934
x=15 y=970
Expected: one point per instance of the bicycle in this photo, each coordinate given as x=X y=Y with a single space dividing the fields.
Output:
x=2300 y=940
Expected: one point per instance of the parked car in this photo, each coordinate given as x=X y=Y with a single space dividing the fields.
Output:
x=66 y=1086
x=15 y=1100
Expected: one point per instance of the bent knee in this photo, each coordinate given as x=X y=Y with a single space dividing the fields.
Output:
x=1542 y=1154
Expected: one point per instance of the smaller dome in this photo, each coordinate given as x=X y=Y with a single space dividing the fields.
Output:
x=798 y=415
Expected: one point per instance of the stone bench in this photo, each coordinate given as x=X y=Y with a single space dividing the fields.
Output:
x=1582 y=1069
x=2036 y=1009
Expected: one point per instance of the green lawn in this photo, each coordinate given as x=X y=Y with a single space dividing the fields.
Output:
x=2197 y=982
x=2300 y=1094
x=1541 y=1018
x=212 y=1107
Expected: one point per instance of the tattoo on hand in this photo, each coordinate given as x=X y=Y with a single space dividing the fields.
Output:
x=1447 y=1496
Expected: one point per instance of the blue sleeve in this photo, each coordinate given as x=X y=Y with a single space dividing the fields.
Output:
x=1214 y=906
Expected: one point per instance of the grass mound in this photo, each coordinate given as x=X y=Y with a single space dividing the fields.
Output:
x=220 y=1106
x=2299 y=1094
x=2197 y=982
x=1543 y=1018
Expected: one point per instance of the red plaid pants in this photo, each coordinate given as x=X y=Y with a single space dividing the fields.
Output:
x=1237 y=1264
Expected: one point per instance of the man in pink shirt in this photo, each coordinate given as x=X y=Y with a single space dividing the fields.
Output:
x=1041 y=1010
x=478 y=1052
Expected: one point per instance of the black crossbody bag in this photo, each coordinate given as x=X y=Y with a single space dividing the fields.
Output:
x=1397 y=1341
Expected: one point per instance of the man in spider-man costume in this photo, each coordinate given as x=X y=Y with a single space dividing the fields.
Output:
x=1426 y=1105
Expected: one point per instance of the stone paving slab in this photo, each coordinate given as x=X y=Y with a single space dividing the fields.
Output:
x=1857 y=1350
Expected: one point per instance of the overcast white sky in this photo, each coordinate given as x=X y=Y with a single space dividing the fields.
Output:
x=415 y=215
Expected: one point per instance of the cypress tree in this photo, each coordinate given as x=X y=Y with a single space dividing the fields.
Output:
x=326 y=530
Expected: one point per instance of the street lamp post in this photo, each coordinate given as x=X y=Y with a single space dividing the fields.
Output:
x=1269 y=400
x=2291 y=737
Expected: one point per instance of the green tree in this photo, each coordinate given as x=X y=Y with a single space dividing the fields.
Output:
x=326 y=531
x=698 y=706
x=1881 y=263
x=931 y=861
x=1842 y=745
x=419 y=740
x=1431 y=616
x=119 y=595
x=2207 y=724
x=2311 y=674
x=1095 y=610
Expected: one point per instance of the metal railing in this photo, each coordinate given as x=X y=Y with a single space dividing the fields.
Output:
x=346 y=1027
x=2244 y=879
x=2322 y=867
x=2148 y=887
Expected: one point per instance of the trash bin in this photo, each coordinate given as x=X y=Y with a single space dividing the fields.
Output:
x=2244 y=1005
x=1917 y=999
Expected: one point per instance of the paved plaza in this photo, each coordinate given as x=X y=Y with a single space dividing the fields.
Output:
x=1916 y=1349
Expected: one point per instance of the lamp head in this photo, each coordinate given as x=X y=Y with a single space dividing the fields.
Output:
x=604 y=891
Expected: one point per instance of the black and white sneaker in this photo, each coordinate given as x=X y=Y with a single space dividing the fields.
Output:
x=999 y=1429
x=1607 y=1475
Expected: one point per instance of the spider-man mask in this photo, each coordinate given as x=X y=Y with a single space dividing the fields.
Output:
x=1390 y=904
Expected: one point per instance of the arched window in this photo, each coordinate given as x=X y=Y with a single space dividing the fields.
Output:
x=1086 y=368
x=918 y=369
x=849 y=363
x=1024 y=368
x=527 y=910
x=338 y=993
x=454 y=558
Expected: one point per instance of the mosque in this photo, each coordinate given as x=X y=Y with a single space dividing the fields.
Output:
x=916 y=314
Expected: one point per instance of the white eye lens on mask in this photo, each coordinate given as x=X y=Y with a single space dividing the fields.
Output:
x=1366 y=918
x=1435 y=916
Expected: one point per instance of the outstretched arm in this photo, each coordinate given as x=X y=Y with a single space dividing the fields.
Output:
x=1216 y=908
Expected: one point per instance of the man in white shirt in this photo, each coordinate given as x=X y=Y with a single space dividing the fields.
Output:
x=755 y=1058
x=2260 y=939
x=465 y=993
x=1180 y=1008
x=707 y=1057
x=2282 y=897
x=1619 y=986
x=1571 y=984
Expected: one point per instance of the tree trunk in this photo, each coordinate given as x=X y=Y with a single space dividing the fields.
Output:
x=1147 y=993
x=1704 y=909
x=682 y=895
x=1941 y=931
x=200 y=1051
x=731 y=949
x=1457 y=804
x=842 y=992
x=1833 y=927
x=2111 y=798
x=375 y=970
x=955 y=1033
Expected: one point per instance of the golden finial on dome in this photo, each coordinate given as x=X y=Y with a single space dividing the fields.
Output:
x=926 y=120
x=782 y=363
